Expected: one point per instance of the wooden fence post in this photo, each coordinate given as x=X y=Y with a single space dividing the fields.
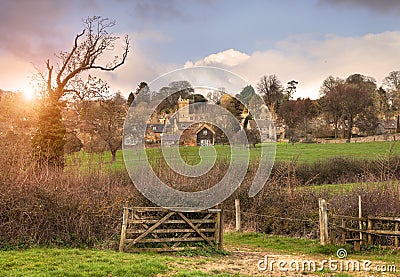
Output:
x=323 y=222
x=237 y=211
x=343 y=224
x=360 y=216
x=369 y=227
x=123 y=229
x=217 y=227
x=221 y=228
x=396 y=239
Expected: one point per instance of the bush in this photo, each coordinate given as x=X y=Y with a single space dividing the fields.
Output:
x=294 y=212
x=84 y=207
x=65 y=209
x=46 y=207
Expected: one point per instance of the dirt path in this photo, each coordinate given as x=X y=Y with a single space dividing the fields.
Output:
x=244 y=262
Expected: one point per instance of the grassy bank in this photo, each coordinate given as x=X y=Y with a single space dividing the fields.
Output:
x=83 y=262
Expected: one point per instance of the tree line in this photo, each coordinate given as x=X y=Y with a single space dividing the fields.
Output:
x=343 y=104
x=97 y=119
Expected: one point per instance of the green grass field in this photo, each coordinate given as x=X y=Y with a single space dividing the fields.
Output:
x=314 y=152
x=84 y=262
x=284 y=152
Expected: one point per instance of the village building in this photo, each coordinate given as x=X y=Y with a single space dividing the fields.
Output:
x=189 y=126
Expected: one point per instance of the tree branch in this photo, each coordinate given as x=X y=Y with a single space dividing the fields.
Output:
x=50 y=72
x=124 y=55
x=65 y=63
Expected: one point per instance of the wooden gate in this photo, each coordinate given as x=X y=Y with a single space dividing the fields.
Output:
x=159 y=229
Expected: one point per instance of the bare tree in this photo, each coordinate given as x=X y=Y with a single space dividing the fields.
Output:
x=297 y=114
x=215 y=95
x=105 y=118
x=348 y=102
x=331 y=100
x=88 y=48
x=271 y=90
x=354 y=101
x=391 y=85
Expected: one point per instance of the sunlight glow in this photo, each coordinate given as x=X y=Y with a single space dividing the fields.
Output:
x=29 y=94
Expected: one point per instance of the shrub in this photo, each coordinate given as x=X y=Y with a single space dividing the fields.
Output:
x=84 y=207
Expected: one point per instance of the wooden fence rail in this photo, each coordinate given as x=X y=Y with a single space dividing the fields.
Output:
x=160 y=229
x=358 y=230
x=365 y=230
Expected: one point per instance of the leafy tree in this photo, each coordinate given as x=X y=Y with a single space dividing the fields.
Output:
x=142 y=93
x=49 y=139
x=197 y=98
x=169 y=95
x=255 y=105
x=234 y=106
x=246 y=94
x=89 y=47
x=290 y=89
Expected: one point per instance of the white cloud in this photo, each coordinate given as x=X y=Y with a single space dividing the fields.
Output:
x=310 y=60
x=304 y=58
x=230 y=57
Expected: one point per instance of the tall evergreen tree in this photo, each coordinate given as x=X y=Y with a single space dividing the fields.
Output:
x=130 y=100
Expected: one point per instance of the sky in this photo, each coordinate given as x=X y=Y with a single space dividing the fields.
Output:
x=304 y=40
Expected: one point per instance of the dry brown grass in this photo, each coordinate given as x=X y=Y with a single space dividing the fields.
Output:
x=84 y=207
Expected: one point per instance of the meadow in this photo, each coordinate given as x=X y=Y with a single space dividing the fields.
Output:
x=301 y=152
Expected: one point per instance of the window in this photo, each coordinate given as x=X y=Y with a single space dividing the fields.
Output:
x=205 y=132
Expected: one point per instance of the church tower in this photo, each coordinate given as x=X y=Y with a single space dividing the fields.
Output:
x=183 y=108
